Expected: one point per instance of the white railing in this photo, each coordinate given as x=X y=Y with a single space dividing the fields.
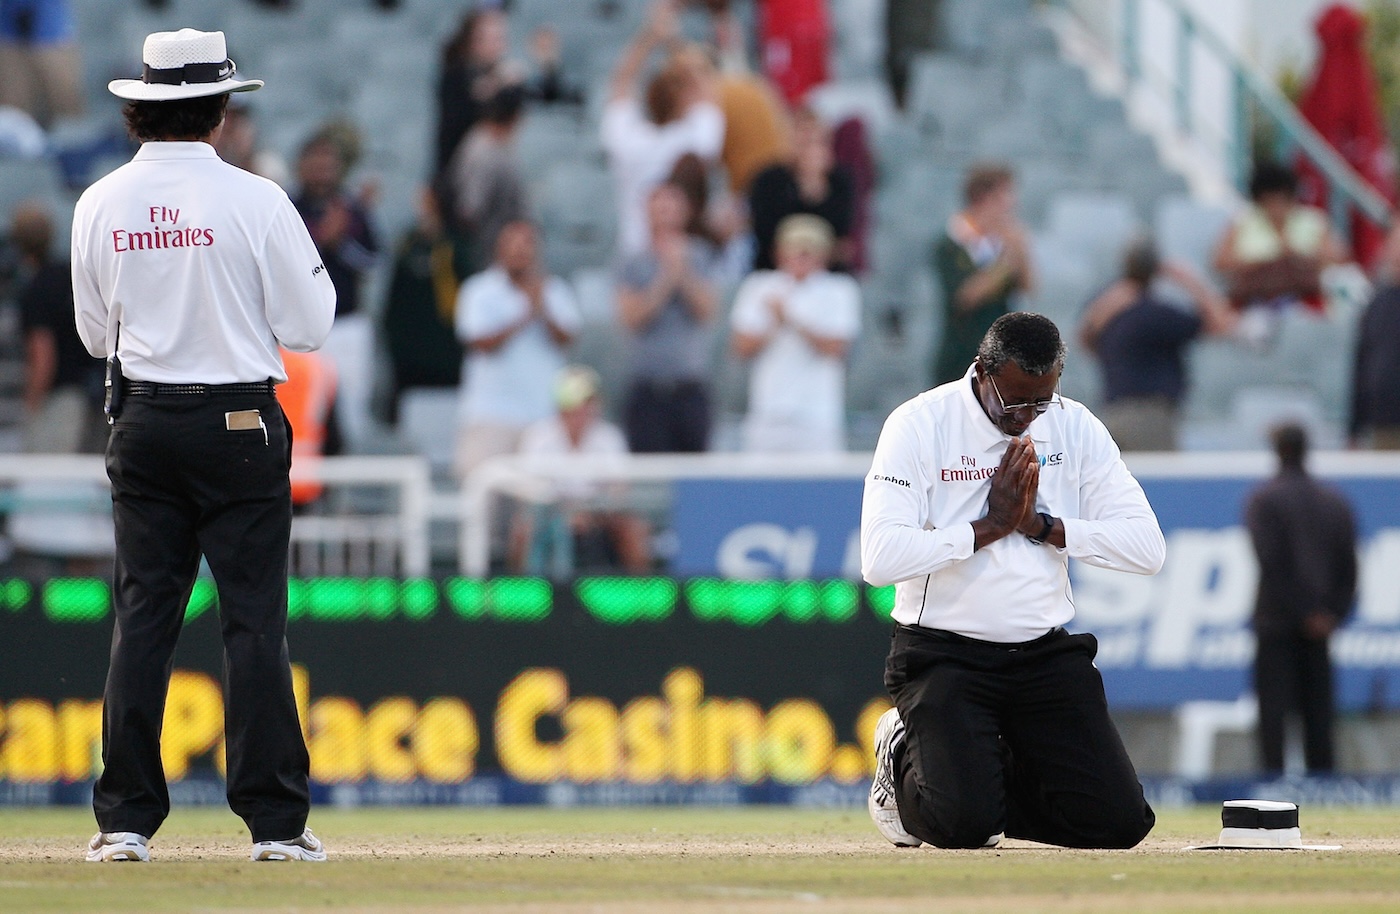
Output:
x=372 y=540
x=1184 y=81
x=396 y=541
x=535 y=480
x=59 y=486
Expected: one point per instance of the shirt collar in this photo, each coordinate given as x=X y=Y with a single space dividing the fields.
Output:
x=984 y=435
x=174 y=149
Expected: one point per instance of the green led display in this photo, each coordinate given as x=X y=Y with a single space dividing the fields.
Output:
x=623 y=601
x=840 y=600
x=507 y=599
x=755 y=602
x=419 y=598
x=76 y=599
x=466 y=596
x=381 y=597
x=520 y=599
x=881 y=600
x=356 y=599
x=15 y=595
x=612 y=600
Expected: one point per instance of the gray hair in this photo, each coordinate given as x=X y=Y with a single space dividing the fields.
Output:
x=1031 y=341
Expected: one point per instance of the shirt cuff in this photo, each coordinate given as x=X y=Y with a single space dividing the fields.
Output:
x=1071 y=524
x=964 y=540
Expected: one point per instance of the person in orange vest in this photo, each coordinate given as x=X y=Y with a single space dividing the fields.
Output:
x=308 y=399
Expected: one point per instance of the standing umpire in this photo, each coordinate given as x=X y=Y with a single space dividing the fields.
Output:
x=191 y=272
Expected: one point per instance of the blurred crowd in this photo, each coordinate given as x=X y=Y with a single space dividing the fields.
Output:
x=743 y=230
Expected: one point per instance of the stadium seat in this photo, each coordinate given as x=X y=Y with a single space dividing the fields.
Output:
x=30 y=179
x=858 y=49
x=604 y=348
x=578 y=216
x=868 y=99
x=1187 y=231
x=969 y=26
x=1096 y=225
x=62 y=519
x=596 y=291
x=428 y=423
x=951 y=95
x=924 y=192
x=1258 y=409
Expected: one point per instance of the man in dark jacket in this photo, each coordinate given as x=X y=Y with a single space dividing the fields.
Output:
x=1375 y=393
x=1305 y=538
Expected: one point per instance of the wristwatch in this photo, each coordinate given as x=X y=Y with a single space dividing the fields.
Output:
x=1044 y=534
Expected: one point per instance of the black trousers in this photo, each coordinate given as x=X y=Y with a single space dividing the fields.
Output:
x=1293 y=673
x=182 y=485
x=1015 y=741
x=667 y=417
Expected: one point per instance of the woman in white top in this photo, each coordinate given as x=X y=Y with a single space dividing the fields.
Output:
x=1273 y=254
x=645 y=136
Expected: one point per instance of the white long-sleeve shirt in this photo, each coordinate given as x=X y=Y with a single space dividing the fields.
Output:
x=930 y=480
x=790 y=382
x=642 y=154
x=206 y=267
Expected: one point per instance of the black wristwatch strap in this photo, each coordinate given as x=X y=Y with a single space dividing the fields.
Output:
x=1044 y=534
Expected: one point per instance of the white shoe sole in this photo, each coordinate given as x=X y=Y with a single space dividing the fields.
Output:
x=125 y=851
x=287 y=851
x=276 y=853
x=886 y=819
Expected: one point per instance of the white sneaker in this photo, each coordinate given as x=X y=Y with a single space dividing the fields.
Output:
x=883 y=806
x=118 y=846
x=994 y=840
x=305 y=846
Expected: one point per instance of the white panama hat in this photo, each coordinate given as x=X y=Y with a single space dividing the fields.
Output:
x=184 y=64
x=1261 y=825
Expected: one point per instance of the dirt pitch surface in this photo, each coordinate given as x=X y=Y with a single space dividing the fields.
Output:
x=751 y=861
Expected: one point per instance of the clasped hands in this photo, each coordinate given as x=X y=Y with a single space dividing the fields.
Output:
x=1011 y=502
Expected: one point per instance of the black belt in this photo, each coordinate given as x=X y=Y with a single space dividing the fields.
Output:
x=938 y=634
x=154 y=389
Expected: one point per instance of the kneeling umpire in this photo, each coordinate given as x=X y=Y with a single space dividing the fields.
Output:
x=191 y=272
x=980 y=492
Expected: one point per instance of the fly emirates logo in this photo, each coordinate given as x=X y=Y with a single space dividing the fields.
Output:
x=164 y=233
x=969 y=471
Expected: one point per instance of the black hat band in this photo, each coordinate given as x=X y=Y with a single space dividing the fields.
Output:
x=189 y=73
x=1252 y=817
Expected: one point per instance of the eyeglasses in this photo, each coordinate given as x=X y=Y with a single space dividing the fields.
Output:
x=1039 y=406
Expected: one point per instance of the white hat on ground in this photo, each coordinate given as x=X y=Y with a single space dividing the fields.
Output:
x=184 y=64
x=1261 y=825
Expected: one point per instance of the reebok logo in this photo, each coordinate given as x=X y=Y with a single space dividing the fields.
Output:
x=897 y=481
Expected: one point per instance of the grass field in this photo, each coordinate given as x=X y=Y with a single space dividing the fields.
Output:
x=748 y=860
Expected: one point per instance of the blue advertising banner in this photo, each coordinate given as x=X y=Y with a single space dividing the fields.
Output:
x=768 y=528
x=1181 y=635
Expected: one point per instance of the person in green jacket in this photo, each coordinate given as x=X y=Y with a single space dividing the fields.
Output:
x=982 y=259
